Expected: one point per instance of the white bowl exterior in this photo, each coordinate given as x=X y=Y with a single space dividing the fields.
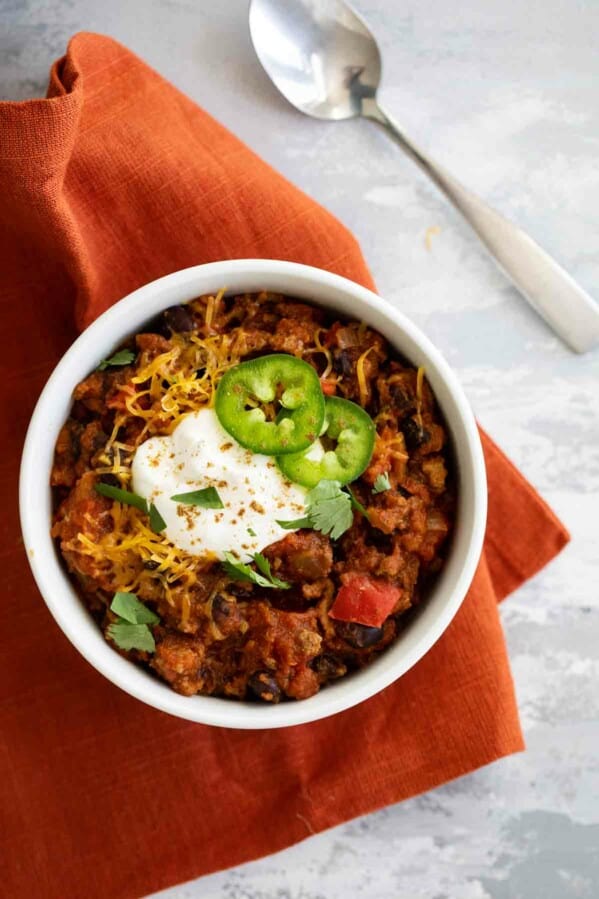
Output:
x=126 y=317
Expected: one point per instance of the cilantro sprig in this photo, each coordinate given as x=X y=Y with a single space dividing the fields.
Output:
x=328 y=510
x=123 y=357
x=208 y=498
x=157 y=522
x=123 y=496
x=264 y=577
x=131 y=629
x=381 y=483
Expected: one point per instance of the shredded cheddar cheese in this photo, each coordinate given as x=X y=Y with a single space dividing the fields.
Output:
x=362 y=385
x=165 y=388
x=320 y=350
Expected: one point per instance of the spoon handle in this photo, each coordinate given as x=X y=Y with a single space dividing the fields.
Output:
x=565 y=306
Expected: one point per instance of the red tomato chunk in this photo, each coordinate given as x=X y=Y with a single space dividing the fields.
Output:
x=365 y=600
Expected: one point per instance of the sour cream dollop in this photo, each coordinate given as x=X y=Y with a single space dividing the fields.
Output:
x=198 y=454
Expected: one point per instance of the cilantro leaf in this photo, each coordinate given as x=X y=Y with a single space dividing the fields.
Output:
x=207 y=498
x=123 y=357
x=239 y=571
x=251 y=532
x=130 y=630
x=131 y=636
x=382 y=483
x=123 y=496
x=330 y=509
x=128 y=607
x=295 y=524
x=157 y=522
x=263 y=565
x=323 y=491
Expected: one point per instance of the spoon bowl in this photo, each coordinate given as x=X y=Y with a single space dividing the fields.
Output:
x=318 y=53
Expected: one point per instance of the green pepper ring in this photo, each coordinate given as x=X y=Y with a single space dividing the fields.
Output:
x=280 y=377
x=353 y=429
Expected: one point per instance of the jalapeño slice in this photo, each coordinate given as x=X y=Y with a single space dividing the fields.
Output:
x=282 y=384
x=342 y=453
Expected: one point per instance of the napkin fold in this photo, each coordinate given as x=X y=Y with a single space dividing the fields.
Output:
x=116 y=179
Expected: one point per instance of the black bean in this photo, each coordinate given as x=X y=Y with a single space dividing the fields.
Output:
x=240 y=588
x=222 y=608
x=80 y=412
x=414 y=435
x=178 y=318
x=75 y=433
x=110 y=479
x=151 y=564
x=264 y=686
x=346 y=362
x=383 y=542
x=328 y=667
x=375 y=405
x=402 y=400
x=99 y=441
x=359 y=636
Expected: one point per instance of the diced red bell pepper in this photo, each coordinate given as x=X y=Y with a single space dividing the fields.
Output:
x=329 y=388
x=365 y=600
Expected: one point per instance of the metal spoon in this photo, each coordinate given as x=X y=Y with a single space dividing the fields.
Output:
x=324 y=60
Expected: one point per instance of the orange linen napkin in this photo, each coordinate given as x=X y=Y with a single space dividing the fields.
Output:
x=112 y=181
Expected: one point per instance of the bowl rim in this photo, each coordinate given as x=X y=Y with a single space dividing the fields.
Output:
x=57 y=590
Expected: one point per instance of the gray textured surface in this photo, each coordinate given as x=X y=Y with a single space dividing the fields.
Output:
x=506 y=94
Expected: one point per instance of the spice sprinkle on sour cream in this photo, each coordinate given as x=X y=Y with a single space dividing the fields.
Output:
x=253 y=491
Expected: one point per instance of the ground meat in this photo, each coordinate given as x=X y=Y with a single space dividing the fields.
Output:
x=178 y=660
x=435 y=472
x=66 y=455
x=194 y=597
x=390 y=512
x=284 y=643
x=152 y=345
x=301 y=556
x=292 y=336
x=85 y=512
x=91 y=442
x=363 y=552
x=91 y=393
x=231 y=638
x=253 y=342
x=301 y=312
x=349 y=344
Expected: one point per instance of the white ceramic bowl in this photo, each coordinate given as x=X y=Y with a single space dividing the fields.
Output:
x=128 y=317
